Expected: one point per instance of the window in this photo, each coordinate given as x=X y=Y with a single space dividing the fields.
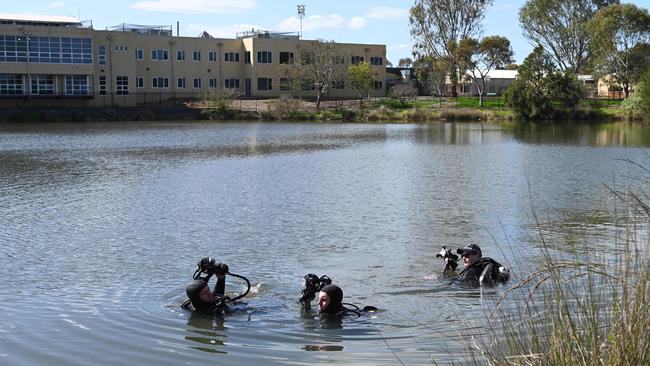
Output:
x=11 y=84
x=122 y=85
x=357 y=60
x=42 y=84
x=264 y=84
x=264 y=57
x=160 y=82
x=197 y=83
x=286 y=57
x=232 y=83
x=247 y=57
x=76 y=85
x=212 y=56
x=160 y=55
x=180 y=83
x=196 y=55
x=180 y=55
x=231 y=56
x=53 y=50
x=139 y=54
x=308 y=85
x=338 y=84
x=376 y=61
x=102 y=85
x=285 y=84
x=139 y=82
x=339 y=60
x=379 y=84
x=101 y=55
x=212 y=83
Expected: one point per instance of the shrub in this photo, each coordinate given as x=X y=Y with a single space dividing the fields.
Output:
x=403 y=93
x=285 y=107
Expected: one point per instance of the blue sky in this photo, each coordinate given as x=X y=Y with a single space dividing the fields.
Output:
x=359 y=21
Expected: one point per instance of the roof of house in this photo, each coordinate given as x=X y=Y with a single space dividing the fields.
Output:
x=39 y=18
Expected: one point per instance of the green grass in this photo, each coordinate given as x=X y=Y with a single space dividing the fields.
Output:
x=473 y=102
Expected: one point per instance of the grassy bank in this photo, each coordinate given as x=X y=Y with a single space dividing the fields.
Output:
x=581 y=305
x=461 y=109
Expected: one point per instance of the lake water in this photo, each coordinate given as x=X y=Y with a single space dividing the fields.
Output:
x=101 y=227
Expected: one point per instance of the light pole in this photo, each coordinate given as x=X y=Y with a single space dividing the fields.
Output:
x=219 y=64
x=301 y=14
x=109 y=38
x=29 y=78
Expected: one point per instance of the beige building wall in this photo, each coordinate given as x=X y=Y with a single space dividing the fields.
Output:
x=166 y=78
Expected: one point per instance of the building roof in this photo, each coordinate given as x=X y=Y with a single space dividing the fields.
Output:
x=499 y=74
x=31 y=18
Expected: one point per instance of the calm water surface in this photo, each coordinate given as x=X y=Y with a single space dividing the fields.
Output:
x=101 y=226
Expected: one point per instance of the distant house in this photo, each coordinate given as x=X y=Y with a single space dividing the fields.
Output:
x=497 y=81
x=399 y=75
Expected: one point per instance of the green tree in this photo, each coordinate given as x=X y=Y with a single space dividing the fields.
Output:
x=437 y=26
x=479 y=58
x=405 y=62
x=316 y=66
x=560 y=27
x=361 y=78
x=540 y=91
x=620 y=40
x=644 y=93
x=432 y=73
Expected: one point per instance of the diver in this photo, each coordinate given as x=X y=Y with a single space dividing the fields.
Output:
x=330 y=298
x=477 y=271
x=204 y=300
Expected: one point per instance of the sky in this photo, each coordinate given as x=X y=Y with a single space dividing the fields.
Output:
x=359 y=21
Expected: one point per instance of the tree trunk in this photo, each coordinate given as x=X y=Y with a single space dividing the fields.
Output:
x=453 y=78
x=318 y=101
x=480 y=99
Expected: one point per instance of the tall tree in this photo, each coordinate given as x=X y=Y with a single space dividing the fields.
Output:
x=405 y=62
x=437 y=26
x=318 y=64
x=644 y=93
x=479 y=58
x=539 y=91
x=560 y=27
x=361 y=78
x=620 y=39
x=432 y=73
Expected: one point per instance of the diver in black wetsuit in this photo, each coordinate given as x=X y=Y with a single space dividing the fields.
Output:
x=477 y=271
x=201 y=298
x=330 y=298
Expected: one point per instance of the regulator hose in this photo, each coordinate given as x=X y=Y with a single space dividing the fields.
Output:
x=248 y=284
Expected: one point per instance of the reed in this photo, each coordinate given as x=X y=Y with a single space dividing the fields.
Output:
x=580 y=306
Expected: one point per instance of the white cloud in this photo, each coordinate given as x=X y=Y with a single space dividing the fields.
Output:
x=385 y=12
x=318 y=22
x=56 y=4
x=196 y=6
x=228 y=31
x=357 y=22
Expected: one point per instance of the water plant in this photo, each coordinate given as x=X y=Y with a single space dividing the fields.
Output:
x=582 y=305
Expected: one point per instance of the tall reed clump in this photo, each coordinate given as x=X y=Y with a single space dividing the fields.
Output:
x=587 y=307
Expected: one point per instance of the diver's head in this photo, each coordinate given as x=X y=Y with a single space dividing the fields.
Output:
x=470 y=253
x=330 y=299
x=199 y=294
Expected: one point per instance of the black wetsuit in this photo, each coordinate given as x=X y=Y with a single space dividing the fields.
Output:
x=217 y=305
x=471 y=275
